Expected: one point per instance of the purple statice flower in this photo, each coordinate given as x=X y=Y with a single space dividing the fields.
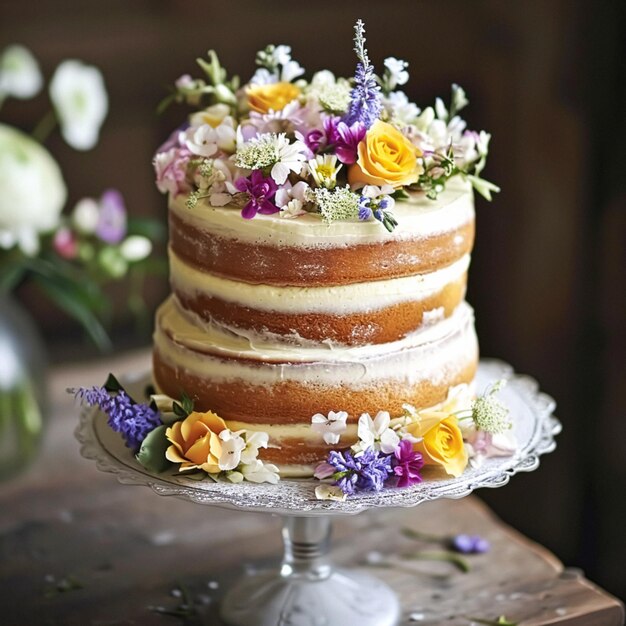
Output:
x=366 y=472
x=365 y=105
x=111 y=226
x=261 y=191
x=134 y=421
x=406 y=464
x=470 y=544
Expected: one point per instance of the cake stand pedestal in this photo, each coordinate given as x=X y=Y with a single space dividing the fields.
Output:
x=307 y=590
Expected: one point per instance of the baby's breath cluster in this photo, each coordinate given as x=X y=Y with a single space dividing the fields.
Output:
x=489 y=413
x=258 y=153
x=336 y=204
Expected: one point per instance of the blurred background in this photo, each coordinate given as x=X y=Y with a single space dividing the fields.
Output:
x=545 y=77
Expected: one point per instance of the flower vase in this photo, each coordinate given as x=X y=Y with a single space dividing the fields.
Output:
x=22 y=387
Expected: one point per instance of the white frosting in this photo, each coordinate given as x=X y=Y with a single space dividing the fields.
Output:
x=428 y=354
x=337 y=299
x=417 y=217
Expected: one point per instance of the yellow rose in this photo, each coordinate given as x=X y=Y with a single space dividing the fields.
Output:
x=274 y=96
x=442 y=442
x=195 y=442
x=385 y=156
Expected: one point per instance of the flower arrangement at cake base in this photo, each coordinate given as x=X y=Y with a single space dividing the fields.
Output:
x=167 y=434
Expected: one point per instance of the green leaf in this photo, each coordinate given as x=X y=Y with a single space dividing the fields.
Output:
x=11 y=275
x=112 y=384
x=146 y=227
x=187 y=403
x=179 y=410
x=151 y=455
x=67 y=299
x=165 y=103
x=400 y=194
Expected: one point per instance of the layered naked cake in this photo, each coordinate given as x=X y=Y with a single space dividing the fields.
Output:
x=320 y=238
x=273 y=320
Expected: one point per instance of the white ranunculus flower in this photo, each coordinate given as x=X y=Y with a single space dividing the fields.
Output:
x=32 y=190
x=19 y=73
x=81 y=102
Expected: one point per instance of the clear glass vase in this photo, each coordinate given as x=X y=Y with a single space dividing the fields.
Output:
x=22 y=387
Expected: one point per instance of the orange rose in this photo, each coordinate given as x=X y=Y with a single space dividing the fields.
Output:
x=195 y=442
x=385 y=156
x=442 y=441
x=274 y=96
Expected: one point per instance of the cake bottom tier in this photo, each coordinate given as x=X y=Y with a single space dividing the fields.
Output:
x=277 y=389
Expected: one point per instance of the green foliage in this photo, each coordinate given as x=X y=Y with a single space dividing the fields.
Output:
x=151 y=455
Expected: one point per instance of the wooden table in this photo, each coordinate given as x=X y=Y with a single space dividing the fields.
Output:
x=77 y=548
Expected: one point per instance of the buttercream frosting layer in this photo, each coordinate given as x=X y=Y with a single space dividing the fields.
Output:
x=305 y=251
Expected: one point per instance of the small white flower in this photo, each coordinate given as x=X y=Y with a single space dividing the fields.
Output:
x=459 y=98
x=329 y=492
x=20 y=76
x=331 y=426
x=86 y=215
x=290 y=157
x=263 y=76
x=254 y=440
x=290 y=70
x=441 y=110
x=135 y=248
x=281 y=54
x=376 y=433
x=401 y=110
x=397 y=71
x=204 y=140
x=259 y=472
x=80 y=100
x=324 y=170
x=232 y=445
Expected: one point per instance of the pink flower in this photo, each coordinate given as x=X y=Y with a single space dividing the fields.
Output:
x=65 y=243
x=171 y=170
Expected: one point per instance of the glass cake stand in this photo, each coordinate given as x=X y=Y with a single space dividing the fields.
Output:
x=307 y=590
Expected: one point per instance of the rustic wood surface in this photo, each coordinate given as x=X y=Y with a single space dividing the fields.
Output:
x=78 y=548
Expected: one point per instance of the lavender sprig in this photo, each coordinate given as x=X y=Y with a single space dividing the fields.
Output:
x=365 y=104
x=134 y=421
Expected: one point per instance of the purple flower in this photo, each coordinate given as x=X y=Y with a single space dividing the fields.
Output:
x=470 y=544
x=134 y=421
x=365 y=209
x=348 y=138
x=111 y=226
x=315 y=139
x=261 y=191
x=406 y=464
x=366 y=472
x=365 y=103
x=343 y=138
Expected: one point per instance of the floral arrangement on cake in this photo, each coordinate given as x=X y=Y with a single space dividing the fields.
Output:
x=390 y=452
x=340 y=148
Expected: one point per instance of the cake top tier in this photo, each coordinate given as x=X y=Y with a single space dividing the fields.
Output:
x=324 y=150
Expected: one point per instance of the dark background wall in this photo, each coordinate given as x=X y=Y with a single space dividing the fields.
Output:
x=545 y=77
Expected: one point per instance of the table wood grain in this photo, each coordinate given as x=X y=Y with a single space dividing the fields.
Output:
x=78 y=548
